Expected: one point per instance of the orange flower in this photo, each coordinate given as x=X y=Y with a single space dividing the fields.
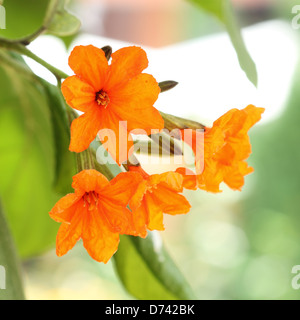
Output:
x=226 y=147
x=96 y=212
x=155 y=195
x=108 y=94
x=189 y=178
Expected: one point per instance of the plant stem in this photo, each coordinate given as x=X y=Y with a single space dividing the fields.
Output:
x=17 y=47
x=58 y=73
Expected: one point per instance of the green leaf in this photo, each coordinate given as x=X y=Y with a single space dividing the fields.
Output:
x=31 y=17
x=64 y=24
x=23 y=17
x=147 y=271
x=222 y=10
x=27 y=162
x=11 y=287
x=65 y=161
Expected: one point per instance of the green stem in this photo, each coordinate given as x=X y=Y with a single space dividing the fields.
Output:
x=58 y=73
x=10 y=269
x=17 y=47
x=84 y=160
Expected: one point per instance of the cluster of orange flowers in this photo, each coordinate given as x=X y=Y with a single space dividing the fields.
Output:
x=110 y=95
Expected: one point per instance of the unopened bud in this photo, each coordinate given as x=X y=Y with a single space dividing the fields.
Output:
x=167 y=85
x=107 y=51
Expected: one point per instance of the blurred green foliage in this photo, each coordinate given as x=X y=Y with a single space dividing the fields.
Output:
x=244 y=250
x=23 y=17
x=272 y=211
x=11 y=286
x=27 y=166
x=148 y=272
x=223 y=11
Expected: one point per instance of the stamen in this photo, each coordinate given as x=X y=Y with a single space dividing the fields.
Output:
x=90 y=200
x=102 y=98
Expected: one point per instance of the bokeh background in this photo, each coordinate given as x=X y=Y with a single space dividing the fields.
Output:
x=233 y=245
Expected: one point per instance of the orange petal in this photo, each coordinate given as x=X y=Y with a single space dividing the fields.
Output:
x=69 y=233
x=114 y=200
x=214 y=140
x=117 y=140
x=140 y=220
x=98 y=239
x=253 y=116
x=64 y=209
x=170 y=202
x=134 y=101
x=189 y=178
x=138 y=196
x=226 y=118
x=115 y=215
x=236 y=120
x=154 y=212
x=171 y=180
x=211 y=177
x=126 y=63
x=122 y=220
x=122 y=188
x=89 y=180
x=234 y=177
x=84 y=130
x=90 y=64
x=79 y=94
x=140 y=170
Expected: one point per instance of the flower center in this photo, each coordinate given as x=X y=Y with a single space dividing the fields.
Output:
x=91 y=200
x=102 y=98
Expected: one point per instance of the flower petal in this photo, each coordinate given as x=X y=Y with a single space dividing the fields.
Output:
x=134 y=101
x=126 y=63
x=211 y=177
x=90 y=64
x=116 y=140
x=138 y=196
x=69 y=233
x=253 y=116
x=122 y=188
x=154 y=212
x=84 y=130
x=171 y=180
x=171 y=202
x=234 y=177
x=79 y=94
x=122 y=220
x=89 y=180
x=140 y=220
x=64 y=209
x=98 y=239
x=189 y=178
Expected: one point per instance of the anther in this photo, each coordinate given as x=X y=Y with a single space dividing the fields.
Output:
x=102 y=98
